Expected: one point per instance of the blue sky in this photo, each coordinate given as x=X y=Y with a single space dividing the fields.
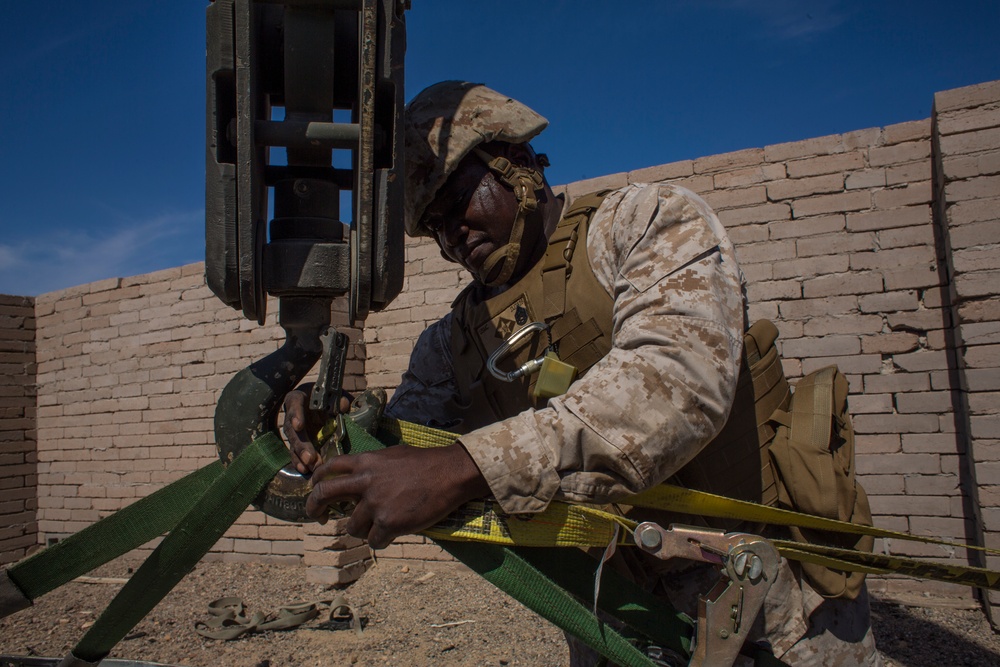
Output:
x=102 y=104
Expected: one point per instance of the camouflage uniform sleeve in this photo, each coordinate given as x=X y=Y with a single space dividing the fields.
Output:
x=665 y=388
x=428 y=385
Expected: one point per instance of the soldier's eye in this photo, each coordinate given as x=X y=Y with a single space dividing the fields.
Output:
x=434 y=224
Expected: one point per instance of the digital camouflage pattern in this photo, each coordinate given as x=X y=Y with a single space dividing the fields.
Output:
x=661 y=394
x=648 y=407
x=803 y=628
x=443 y=124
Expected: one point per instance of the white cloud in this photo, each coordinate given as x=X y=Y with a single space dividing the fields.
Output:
x=788 y=19
x=66 y=257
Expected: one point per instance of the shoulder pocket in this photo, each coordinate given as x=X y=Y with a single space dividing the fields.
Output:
x=677 y=235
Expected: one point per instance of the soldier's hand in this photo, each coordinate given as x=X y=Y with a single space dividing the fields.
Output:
x=399 y=490
x=302 y=424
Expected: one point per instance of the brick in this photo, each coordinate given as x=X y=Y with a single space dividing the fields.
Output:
x=911 y=505
x=879 y=403
x=739 y=178
x=964 y=166
x=909 y=278
x=975 y=311
x=940 y=485
x=908 y=173
x=826 y=145
x=699 y=184
x=922 y=235
x=431 y=281
x=978 y=259
x=748 y=234
x=865 y=179
x=340 y=558
x=804 y=187
x=923 y=360
x=892 y=258
x=936 y=443
x=726 y=161
x=967 y=120
x=773 y=290
x=979 y=284
x=878 y=443
x=766 y=252
x=336 y=576
x=985 y=426
x=806 y=308
x=970 y=142
x=826 y=164
x=857 y=324
x=662 y=172
x=967 y=97
x=844 y=283
x=912 y=423
x=757 y=311
x=982 y=356
x=982 y=187
x=854 y=200
x=924 y=402
x=741 y=197
x=880 y=156
x=810 y=267
x=755 y=214
x=891 y=343
x=872 y=464
x=837 y=243
x=905 y=195
x=909 y=131
x=889 y=302
x=981 y=333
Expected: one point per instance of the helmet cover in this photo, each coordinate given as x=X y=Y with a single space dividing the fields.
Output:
x=443 y=124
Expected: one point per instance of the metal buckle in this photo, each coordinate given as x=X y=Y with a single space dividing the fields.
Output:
x=528 y=367
x=749 y=565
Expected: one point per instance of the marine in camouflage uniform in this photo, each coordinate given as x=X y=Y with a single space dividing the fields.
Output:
x=644 y=410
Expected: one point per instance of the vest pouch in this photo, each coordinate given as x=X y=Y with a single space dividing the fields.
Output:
x=813 y=455
x=735 y=463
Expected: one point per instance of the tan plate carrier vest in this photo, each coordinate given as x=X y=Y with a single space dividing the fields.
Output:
x=562 y=291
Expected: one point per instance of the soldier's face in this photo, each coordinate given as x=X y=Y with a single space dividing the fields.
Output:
x=472 y=216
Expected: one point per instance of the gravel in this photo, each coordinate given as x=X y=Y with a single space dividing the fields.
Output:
x=411 y=617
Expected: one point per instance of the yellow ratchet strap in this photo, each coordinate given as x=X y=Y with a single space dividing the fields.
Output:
x=576 y=525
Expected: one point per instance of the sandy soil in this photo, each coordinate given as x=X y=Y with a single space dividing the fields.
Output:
x=412 y=617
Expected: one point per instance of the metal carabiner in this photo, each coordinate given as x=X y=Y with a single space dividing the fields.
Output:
x=528 y=367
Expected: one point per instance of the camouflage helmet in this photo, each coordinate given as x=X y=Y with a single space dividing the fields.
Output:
x=444 y=123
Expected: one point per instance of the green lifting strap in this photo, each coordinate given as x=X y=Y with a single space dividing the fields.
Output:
x=508 y=571
x=215 y=511
x=112 y=536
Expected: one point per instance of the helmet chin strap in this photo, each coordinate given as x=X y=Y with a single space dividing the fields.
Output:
x=525 y=182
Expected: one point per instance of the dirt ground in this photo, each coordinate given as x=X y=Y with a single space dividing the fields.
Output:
x=412 y=618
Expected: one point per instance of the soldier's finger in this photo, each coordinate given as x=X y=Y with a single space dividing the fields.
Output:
x=327 y=491
x=295 y=409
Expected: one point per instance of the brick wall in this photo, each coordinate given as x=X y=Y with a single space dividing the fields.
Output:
x=18 y=479
x=967 y=207
x=847 y=249
x=129 y=373
x=875 y=250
